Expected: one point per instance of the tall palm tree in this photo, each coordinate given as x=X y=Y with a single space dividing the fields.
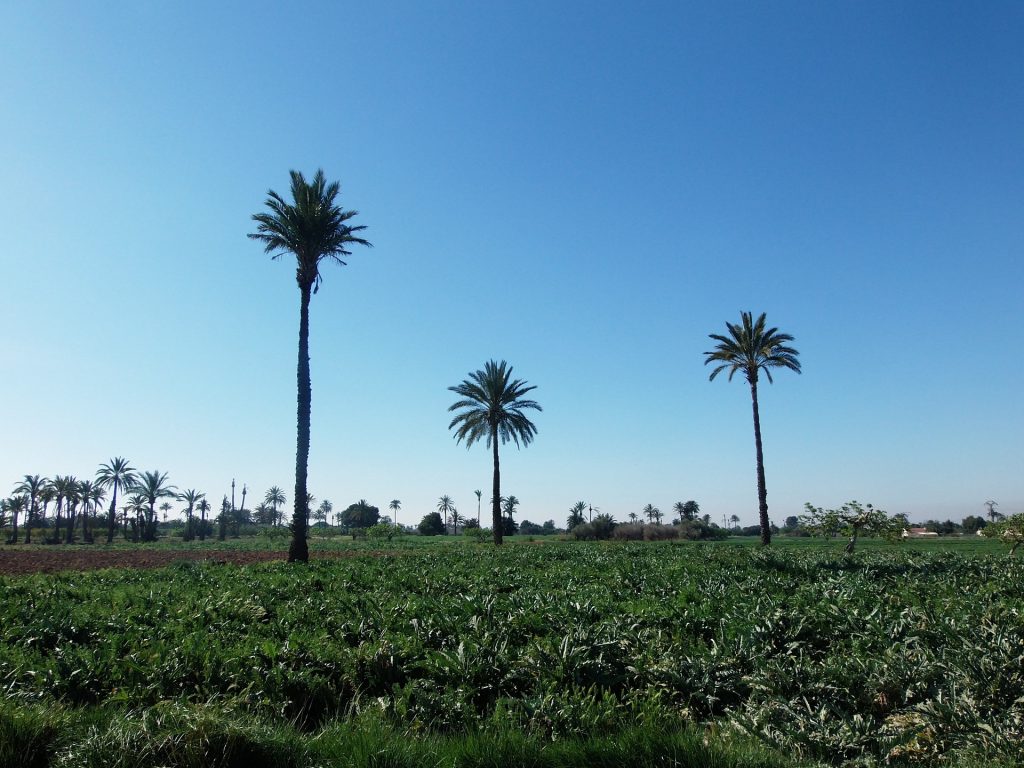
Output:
x=275 y=498
x=153 y=485
x=445 y=505
x=576 y=515
x=735 y=520
x=324 y=510
x=87 y=491
x=314 y=229
x=115 y=474
x=750 y=348
x=30 y=486
x=508 y=507
x=491 y=409
x=203 y=507
x=63 y=490
x=191 y=497
x=394 y=506
x=479 y=494
x=16 y=505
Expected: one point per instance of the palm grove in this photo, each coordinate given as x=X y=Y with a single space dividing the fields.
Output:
x=491 y=409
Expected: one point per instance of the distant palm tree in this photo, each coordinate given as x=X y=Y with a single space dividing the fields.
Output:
x=314 y=229
x=750 y=348
x=491 y=409
x=508 y=506
x=275 y=498
x=87 y=492
x=15 y=506
x=30 y=486
x=64 y=487
x=191 y=497
x=735 y=520
x=633 y=517
x=394 y=506
x=203 y=507
x=324 y=511
x=152 y=486
x=576 y=515
x=115 y=474
x=138 y=506
x=649 y=511
x=445 y=506
x=479 y=494
x=992 y=514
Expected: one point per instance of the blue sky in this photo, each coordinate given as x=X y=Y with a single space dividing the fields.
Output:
x=583 y=189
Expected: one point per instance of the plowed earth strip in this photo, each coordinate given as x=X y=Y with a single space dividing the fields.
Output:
x=76 y=558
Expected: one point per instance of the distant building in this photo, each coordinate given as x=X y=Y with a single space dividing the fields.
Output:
x=918 y=533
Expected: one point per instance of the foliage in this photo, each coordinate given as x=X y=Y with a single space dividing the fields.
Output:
x=360 y=515
x=852 y=519
x=600 y=528
x=640 y=532
x=432 y=525
x=1008 y=529
x=896 y=656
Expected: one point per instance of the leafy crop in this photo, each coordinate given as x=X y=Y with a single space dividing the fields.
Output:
x=888 y=657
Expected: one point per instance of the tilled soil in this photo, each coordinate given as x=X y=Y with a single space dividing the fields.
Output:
x=55 y=558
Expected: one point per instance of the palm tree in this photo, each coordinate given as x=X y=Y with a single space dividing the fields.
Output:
x=633 y=517
x=203 y=508
x=275 y=498
x=575 y=515
x=479 y=494
x=63 y=490
x=115 y=474
x=394 y=506
x=191 y=497
x=314 y=229
x=735 y=520
x=491 y=408
x=16 y=505
x=444 y=506
x=87 y=491
x=138 y=506
x=750 y=348
x=508 y=507
x=992 y=514
x=650 y=511
x=32 y=487
x=152 y=486
x=324 y=511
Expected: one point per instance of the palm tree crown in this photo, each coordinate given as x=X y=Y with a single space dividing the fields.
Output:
x=491 y=409
x=312 y=227
x=750 y=348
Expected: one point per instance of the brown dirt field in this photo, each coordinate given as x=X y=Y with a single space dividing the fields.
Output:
x=15 y=562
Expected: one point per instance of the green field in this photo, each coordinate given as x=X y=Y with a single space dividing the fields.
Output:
x=539 y=653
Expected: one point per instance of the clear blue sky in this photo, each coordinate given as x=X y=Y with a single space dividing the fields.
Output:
x=584 y=189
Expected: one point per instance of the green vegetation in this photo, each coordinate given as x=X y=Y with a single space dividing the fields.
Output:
x=557 y=654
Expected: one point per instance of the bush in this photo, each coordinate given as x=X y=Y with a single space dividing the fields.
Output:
x=432 y=525
x=640 y=532
x=698 y=530
x=600 y=529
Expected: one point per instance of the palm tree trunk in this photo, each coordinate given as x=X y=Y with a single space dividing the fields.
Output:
x=29 y=519
x=762 y=491
x=70 y=538
x=496 y=490
x=112 y=517
x=299 y=548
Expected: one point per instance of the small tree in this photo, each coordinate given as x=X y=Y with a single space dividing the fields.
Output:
x=852 y=519
x=1009 y=529
x=576 y=515
x=431 y=525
